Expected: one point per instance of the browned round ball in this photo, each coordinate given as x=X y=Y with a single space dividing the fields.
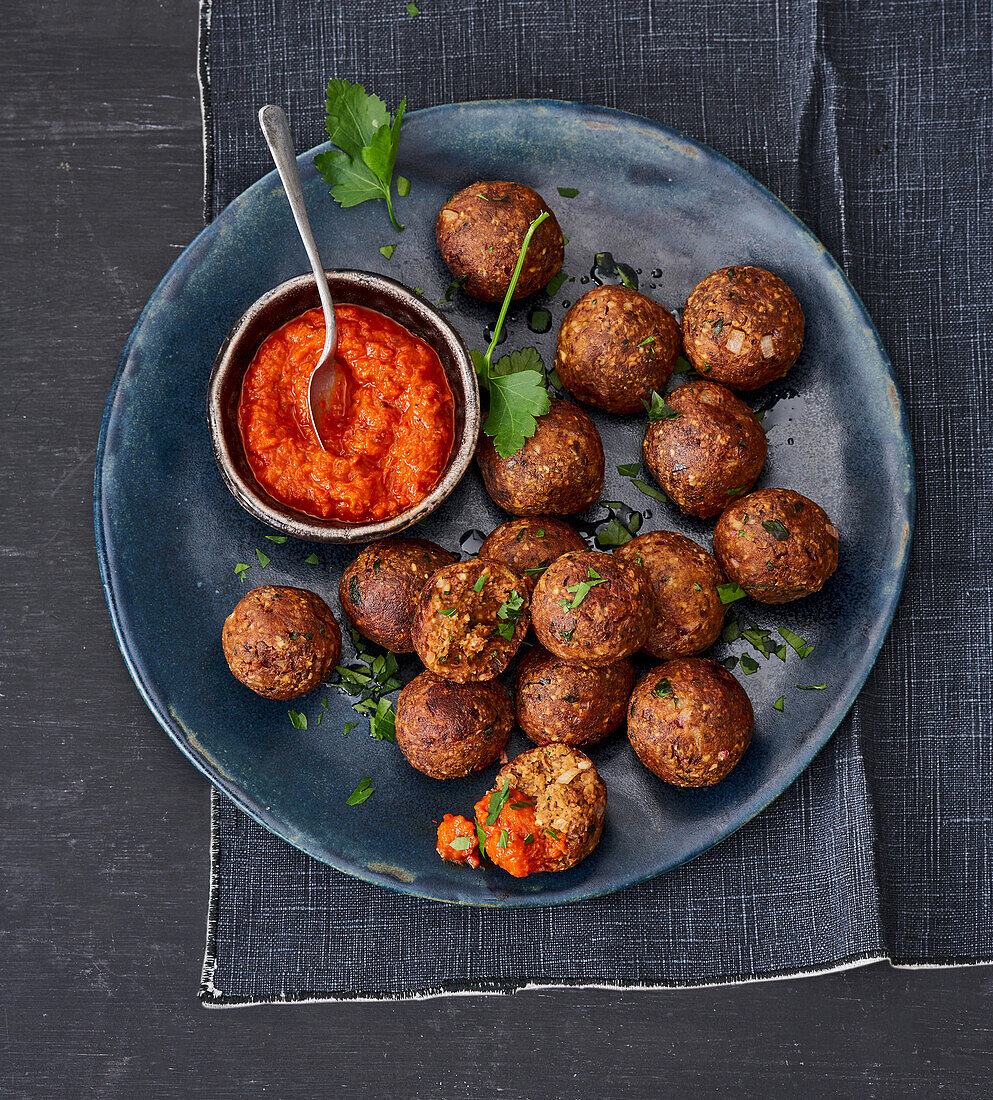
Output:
x=743 y=327
x=558 y=471
x=570 y=798
x=378 y=589
x=447 y=730
x=593 y=608
x=615 y=346
x=710 y=452
x=281 y=642
x=576 y=704
x=470 y=620
x=690 y=721
x=481 y=230
x=689 y=614
x=530 y=545
x=777 y=545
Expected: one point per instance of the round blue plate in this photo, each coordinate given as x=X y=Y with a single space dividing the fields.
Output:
x=169 y=534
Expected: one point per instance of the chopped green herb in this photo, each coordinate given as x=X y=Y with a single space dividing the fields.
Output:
x=581 y=590
x=525 y=803
x=613 y=533
x=383 y=724
x=403 y=186
x=776 y=529
x=264 y=559
x=448 y=611
x=659 y=410
x=729 y=662
x=778 y=704
x=349 y=726
x=412 y=10
x=697 y=587
x=794 y=641
x=361 y=167
x=568 y=192
x=683 y=366
x=354 y=592
x=311 y=560
x=648 y=490
x=481 y=837
x=461 y=843
x=529 y=839
x=663 y=690
x=504 y=837
x=454 y=285
x=498 y=800
x=361 y=793
x=730 y=592
x=731 y=632
x=811 y=687
x=277 y=538
x=541 y=319
x=241 y=569
x=648 y=340
x=297 y=720
x=483 y=578
x=630 y=469
x=540 y=533
x=387 y=250
x=734 y=492
x=555 y=284
x=748 y=664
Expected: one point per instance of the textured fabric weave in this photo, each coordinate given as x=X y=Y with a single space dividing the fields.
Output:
x=873 y=120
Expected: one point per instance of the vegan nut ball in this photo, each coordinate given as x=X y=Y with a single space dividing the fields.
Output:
x=480 y=233
x=379 y=588
x=470 y=620
x=690 y=722
x=777 y=544
x=689 y=613
x=558 y=471
x=564 y=701
x=708 y=452
x=614 y=347
x=530 y=545
x=742 y=327
x=281 y=642
x=593 y=608
x=447 y=730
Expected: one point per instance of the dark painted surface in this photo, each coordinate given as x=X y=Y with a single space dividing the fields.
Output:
x=103 y=842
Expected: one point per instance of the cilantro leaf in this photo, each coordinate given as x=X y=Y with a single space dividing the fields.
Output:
x=387 y=250
x=613 y=533
x=630 y=469
x=649 y=490
x=361 y=167
x=568 y=192
x=659 y=410
x=795 y=642
x=297 y=720
x=730 y=592
x=383 y=724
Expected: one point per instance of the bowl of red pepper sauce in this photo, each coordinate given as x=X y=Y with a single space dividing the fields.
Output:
x=400 y=428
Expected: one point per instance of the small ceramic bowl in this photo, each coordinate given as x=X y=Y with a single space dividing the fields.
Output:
x=282 y=304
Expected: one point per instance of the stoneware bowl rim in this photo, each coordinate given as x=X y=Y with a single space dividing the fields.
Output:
x=240 y=345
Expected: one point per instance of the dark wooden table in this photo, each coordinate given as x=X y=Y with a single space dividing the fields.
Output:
x=105 y=830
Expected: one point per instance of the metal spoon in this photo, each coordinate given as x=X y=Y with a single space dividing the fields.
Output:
x=276 y=130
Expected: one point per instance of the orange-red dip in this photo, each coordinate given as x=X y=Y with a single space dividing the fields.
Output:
x=513 y=842
x=388 y=429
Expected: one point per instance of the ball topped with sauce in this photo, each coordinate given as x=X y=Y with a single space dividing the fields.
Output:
x=388 y=428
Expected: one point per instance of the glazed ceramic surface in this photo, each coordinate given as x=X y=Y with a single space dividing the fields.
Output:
x=169 y=533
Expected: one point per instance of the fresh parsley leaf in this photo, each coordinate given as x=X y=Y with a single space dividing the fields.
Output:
x=461 y=843
x=811 y=687
x=748 y=664
x=663 y=690
x=730 y=592
x=504 y=836
x=778 y=704
x=648 y=490
x=613 y=533
x=516 y=401
x=412 y=10
x=581 y=590
x=568 y=192
x=297 y=720
x=383 y=724
x=645 y=343
x=241 y=570
x=480 y=582
x=349 y=726
x=497 y=801
x=683 y=366
x=659 y=410
x=387 y=250
x=403 y=186
x=277 y=538
x=794 y=641
x=555 y=284
x=630 y=469
x=264 y=559
x=776 y=529
x=361 y=167
x=311 y=560
x=361 y=793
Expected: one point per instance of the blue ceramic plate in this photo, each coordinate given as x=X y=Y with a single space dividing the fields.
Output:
x=169 y=533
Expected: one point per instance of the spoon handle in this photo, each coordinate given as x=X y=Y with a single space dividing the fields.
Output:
x=276 y=130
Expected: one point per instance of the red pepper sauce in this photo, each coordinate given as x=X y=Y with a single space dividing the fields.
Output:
x=389 y=426
x=513 y=842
